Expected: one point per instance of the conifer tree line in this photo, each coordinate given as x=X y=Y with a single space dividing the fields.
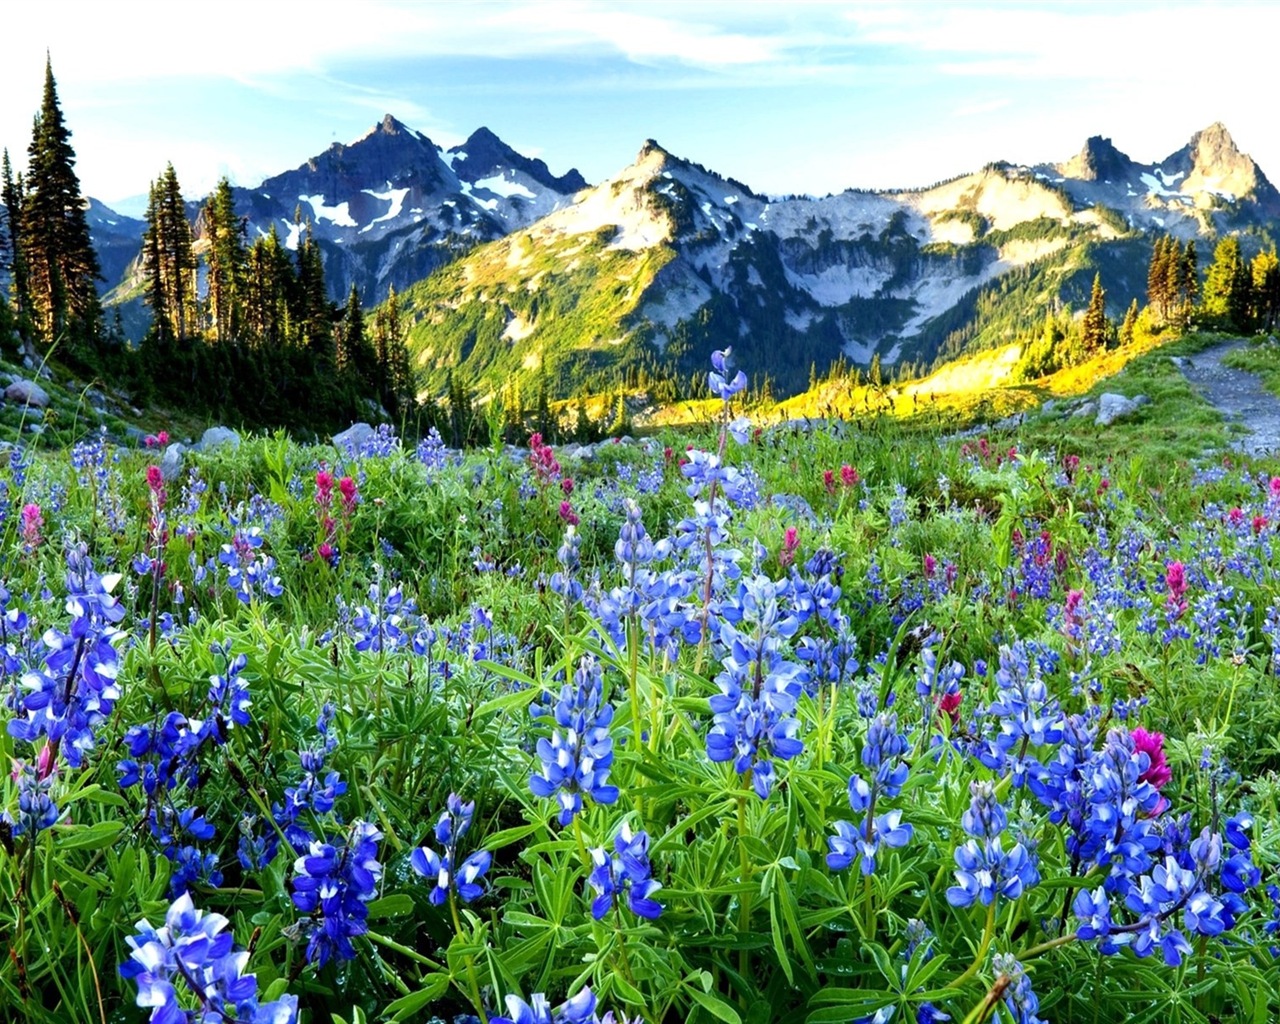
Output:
x=263 y=339
x=244 y=331
x=46 y=248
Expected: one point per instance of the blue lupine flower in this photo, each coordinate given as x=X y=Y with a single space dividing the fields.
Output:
x=36 y=809
x=985 y=870
x=332 y=884
x=882 y=752
x=452 y=825
x=76 y=688
x=577 y=761
x=1019 y=999
x=578 y=1009
x=194 y=953
x=723 y=366
x=627 y=871
x=431 y=451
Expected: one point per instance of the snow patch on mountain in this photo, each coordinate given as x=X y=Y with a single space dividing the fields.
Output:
x=500 y=186
x=340 y=214
x=395 y=196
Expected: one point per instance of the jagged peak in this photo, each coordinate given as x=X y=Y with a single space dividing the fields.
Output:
x=484 y=151
x=1098 y=160
x=651 y=149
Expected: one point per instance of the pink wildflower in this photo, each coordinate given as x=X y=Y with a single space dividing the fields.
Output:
x=568 y=514
x=790 y=544
x=32 y=524
x=949 y=704
x=347 y=488
x=1152 y=744
x=849 y=476
x=930 y=565
x=1175 y=578
x=829 y=481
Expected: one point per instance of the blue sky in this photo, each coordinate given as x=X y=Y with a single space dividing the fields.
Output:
x=801 y=97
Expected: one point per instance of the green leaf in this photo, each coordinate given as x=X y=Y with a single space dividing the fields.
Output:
x=715 y=1006
x=91 y=837
x=396 y=905
x=406 y=1006
x=507 y=702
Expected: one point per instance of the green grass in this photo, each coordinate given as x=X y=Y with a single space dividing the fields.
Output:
x=1261 y=357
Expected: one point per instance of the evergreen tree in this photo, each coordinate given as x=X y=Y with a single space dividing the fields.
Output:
x=399 y=390
x=875 y=374
x=1095 y=327
x=169 y=264
x=225 y=258
x=1188 y=283
x=1266 y=289
x=1157 y=274
x=11 y=258
x=1227 y=288
x=312 y=312
x=356 y=358
x=1129 y=325
x=53 y=236
x=268 y=284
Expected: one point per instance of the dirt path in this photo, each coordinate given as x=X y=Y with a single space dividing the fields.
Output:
x=1238 y=395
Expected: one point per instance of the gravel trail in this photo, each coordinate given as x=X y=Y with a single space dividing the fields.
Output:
x=1238 y=395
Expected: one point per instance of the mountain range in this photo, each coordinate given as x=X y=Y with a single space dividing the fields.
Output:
x=509 y=272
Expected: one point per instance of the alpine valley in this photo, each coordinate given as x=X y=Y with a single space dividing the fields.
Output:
x=507 y=273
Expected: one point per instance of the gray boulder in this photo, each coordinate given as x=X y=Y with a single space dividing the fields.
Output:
x=216 y=437
x=1112 y=407
x=27 y=392
x=171 y=461
x=1085 y=409
x=353 y=437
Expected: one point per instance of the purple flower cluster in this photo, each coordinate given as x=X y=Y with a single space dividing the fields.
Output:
x=193 y=954
x=578 y=1009
x=882 y=753
x=465 y=879
x=74 y=689
x=985 y=870
x=577 y=761
x=627 y=872
x=333 y=883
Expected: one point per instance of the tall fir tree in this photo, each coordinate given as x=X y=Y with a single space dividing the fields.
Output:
x=1227 y=288
x=169 y=264
x=14 y=264
x=268 y=285
x=1095 y=326
x=1265 y=271
x=225 y=258
x=1129 y=325
x=60 y=262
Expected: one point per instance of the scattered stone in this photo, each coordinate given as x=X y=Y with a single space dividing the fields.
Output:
x=217 y=437
x=96 y=399
x=353 y=437
x=1180 y=361
x=171 y=461
x=35 y=428
x=27 y=392
x=133 y=435
x=44 y=373
x=1050 y=406
x=1085 y=409
x=1112 y=407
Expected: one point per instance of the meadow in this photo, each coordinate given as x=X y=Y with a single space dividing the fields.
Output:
x=725 y=724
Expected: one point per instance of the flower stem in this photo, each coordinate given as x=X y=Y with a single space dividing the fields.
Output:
x=987 y=934
x=744 y=908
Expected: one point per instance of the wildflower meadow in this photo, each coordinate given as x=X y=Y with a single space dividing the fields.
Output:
x=731 y=725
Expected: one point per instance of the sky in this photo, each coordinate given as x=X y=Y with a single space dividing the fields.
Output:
x=801 y=97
